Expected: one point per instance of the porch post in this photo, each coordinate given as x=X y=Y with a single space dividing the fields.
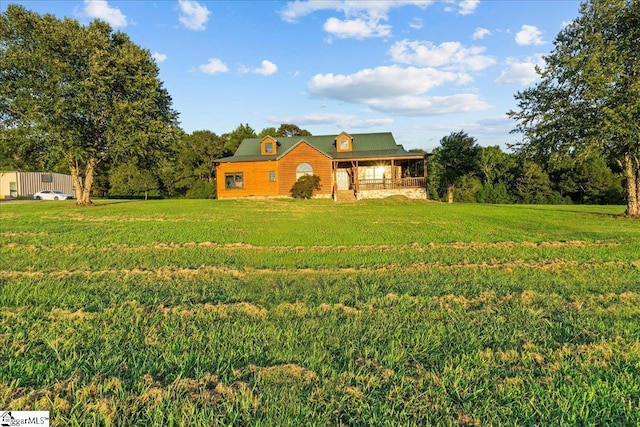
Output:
x=393 y=174
x=426 y=185
x=334 y=177
x=356 y=181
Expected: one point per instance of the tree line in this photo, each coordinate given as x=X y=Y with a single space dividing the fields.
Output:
x=87 y=100
x=187 y=168
x=461 y=170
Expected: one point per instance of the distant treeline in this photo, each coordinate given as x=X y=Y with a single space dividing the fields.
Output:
x=491 y=175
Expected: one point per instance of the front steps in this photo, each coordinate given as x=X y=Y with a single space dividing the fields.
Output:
x=345 y=196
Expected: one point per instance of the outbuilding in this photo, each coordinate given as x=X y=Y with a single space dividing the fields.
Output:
x=14 y=185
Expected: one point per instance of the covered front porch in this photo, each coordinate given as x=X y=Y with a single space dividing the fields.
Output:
x=365 y=178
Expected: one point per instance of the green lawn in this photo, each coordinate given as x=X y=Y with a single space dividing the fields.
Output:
x=290 y=313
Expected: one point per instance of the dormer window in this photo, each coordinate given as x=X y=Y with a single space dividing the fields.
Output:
x=344 y=143
x=268 y=146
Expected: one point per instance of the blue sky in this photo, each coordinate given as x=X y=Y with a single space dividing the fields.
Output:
x=419 y=69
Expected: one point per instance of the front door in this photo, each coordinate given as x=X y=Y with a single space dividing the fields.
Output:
x=342 y=178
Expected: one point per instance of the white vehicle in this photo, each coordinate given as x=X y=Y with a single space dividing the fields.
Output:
x=52 y=195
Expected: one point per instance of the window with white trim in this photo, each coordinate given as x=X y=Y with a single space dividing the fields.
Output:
x=303 y=169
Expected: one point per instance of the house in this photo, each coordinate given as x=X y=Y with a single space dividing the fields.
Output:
x=25 y=184
x=350 y=167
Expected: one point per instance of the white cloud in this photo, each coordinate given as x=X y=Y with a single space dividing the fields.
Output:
x=266 y=69
x=529 y=35
x=341 y=121
x=214 y=66
x=467 y=7
x=193 y=15
x=381 y=82
x=449 y=55
x=520 y=72
x=378 y=8
x=416 y=23
x=159 y=57
x=356 y=28
x=480 y=33
x=430 y=106
x=362 y=19
x=396 y=90
x=100 y=9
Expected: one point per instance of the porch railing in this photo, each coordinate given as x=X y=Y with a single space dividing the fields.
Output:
x=384 y=184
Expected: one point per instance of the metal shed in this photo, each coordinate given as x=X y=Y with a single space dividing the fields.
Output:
x=25 y=184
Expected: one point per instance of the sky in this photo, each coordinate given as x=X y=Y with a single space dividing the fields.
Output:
x=419 y=69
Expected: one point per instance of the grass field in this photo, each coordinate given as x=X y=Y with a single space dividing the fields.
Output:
x=291 y=313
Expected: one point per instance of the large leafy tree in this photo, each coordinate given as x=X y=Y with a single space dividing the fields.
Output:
x=193 y=161
x=84 y=96
x=198 y=153
x=588 y=98
x=128 y=179
x=289 y=130
x=235 y=137
x=457 y=155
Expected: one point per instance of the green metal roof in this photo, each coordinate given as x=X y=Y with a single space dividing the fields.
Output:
x=365 y=145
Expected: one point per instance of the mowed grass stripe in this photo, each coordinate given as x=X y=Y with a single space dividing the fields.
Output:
x=208 y=271
x=312 y=248
x=268 y=288
x=27 y=258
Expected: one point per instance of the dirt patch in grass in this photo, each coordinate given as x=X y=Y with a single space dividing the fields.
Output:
x=283 y=374
x=62 y=314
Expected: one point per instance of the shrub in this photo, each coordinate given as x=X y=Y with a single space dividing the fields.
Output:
x=466 y=188
x=493 y=194
x=305 y=186
x=201 y=190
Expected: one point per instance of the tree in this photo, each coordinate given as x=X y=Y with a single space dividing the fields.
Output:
x=588 y=98
x=495 y=165
x=127 y=179
x=532 y=185
x=467 y=189
x=587 y=180
x=490 y=193
x=192 y=165
x=199 y=152
x=270 y=131
x=497 y=169
x=288 y=130
x=458 y=155
x=82 y=95
x=234 y=138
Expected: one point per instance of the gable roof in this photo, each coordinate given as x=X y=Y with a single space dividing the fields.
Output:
x=365 y=146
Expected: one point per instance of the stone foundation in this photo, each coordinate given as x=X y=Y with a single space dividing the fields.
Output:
x=410 y=193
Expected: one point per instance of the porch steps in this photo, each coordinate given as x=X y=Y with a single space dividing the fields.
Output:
x=345 y=196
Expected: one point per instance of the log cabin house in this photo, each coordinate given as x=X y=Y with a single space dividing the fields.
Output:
x=350 y=167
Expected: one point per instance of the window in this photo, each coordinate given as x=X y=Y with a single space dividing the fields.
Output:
x=303 y=169
x=233 y=180
x=272 y=176
x=268 y=147
x=344 y=144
